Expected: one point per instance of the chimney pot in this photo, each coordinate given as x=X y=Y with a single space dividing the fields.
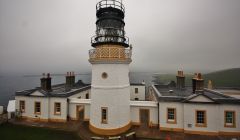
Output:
x=199 y=76
x=48 y=75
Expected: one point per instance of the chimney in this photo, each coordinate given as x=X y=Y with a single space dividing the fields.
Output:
x=197 y=83
x=73 y=79
x=70 y=79
x=43 y=82
x=67 y=79
x=210 y=85
x=180 y=80
x=48 y=82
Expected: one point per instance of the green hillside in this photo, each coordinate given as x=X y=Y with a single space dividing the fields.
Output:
x=223 y=78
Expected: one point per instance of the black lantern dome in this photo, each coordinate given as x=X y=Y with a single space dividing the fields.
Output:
x=110 y=24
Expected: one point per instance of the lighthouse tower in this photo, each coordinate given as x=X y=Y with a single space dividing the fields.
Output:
x=110 y=59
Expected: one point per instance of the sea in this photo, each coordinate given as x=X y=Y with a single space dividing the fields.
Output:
x=10 y=84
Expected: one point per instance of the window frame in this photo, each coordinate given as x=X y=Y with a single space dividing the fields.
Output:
x=233 y=125
x=22 y=110
x=87 y=96
x=55 y=108
x=104 y=121
x=172 y=121
x=136 y=90
x=35 y=110
x=204 y=119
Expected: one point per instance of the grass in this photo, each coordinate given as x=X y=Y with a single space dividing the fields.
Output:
x=19 y=132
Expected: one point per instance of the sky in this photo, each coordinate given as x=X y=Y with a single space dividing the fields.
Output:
x=53 y=36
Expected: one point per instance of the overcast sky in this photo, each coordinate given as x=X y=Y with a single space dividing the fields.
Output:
x=54 y=35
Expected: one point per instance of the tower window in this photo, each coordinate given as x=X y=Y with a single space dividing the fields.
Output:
x=171 y=115
x=37 y=108
x=136 y=99
x=136 y=90
x=104 y=114
x=22 y=106
x=201 y=118
x=57 y=108
x=104 y=75
x=229 y=118
x=87 y=96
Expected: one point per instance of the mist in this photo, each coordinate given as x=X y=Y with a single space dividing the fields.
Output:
x=167 y=35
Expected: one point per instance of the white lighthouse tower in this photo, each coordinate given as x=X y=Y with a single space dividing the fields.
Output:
x=110 y=59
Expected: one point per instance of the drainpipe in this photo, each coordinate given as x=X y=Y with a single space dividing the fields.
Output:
x=68 y=117
x=158 y=116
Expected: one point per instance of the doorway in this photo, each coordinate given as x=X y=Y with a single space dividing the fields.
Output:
x=144 y=115
x=80 y=112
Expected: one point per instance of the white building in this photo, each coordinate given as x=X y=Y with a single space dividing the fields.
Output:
x=112 y=105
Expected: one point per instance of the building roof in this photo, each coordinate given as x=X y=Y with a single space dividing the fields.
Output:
x=173 y=94
x=60 y=90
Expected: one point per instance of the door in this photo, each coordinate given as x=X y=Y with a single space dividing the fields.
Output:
x=80 y=112
x=144 y=117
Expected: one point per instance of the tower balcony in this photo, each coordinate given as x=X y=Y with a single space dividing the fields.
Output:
x=110 y=54
x=117 y=4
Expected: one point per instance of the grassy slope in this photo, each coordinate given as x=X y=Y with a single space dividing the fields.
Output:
x=18 y=132
x=223 y=78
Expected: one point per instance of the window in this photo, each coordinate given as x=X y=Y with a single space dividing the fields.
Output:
x=171 y=115
x=104 y=75
x=229 y=119
x=87 y=96
x=136 y=90
x=104 y=114
x=57 y=108
x=136 y=99
x=79 y=97
x=37 y=108
x=201 y=118
x=22 y=106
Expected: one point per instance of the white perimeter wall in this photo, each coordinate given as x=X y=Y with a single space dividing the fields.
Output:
x=135 y=107
x=73 y=103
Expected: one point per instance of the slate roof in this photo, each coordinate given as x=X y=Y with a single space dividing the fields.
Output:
x=60 y=90
x=137 y=84
x=173 y=94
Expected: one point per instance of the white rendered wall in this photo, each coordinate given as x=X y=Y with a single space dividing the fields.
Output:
x=29 y=106
x=213 y=117
x=78 y=102
x=223 y=108
x=113 y=93
x=64 y=105
x=163 y=114
x=136 y=106
x=47 y=107
x=82 y=95
x=141 y=92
